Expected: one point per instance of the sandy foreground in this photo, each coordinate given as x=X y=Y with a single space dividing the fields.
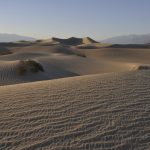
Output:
x=101 y=101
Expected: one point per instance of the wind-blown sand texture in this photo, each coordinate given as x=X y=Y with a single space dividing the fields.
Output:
x=98 y=98
x=109 y=111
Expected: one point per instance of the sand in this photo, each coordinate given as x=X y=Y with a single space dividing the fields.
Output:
x=99 y=101
x=61 y=61
x=109 y=111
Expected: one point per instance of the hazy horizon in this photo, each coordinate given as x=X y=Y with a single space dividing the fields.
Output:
x=99 y=19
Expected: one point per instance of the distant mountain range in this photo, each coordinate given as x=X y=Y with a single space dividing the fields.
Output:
x=14 y=38
x=129 y=39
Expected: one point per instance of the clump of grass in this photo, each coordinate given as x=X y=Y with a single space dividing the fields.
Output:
x=34 y=66
x=21 y=69
x=29 y=66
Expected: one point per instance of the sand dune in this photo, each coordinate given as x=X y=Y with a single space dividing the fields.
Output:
x=109 y=111
x=70 y=41
x=56 y=65
x=62 y=61
x=130 y=55
x=100 y=99
x=88 y=40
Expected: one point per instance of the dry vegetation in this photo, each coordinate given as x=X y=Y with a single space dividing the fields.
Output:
x=29 y=65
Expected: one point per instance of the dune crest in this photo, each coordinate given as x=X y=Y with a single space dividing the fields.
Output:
x=74 y=41
x=88 y=40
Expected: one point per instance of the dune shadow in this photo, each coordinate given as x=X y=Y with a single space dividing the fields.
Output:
x=129 y=46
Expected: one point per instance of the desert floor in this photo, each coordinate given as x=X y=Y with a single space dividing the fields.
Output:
x=89 y=96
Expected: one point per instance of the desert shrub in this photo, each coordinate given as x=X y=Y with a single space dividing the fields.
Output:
x=34 y=66
x=21 y=69
x=29 y=65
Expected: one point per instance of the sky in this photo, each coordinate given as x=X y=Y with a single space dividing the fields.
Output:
x=98 y=19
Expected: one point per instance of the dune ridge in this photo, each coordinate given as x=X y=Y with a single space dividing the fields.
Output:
x=73 y=41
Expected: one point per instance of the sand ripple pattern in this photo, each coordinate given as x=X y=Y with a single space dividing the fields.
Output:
x=103 y=112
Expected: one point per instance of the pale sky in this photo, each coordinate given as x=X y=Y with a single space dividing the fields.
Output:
x=98 y=19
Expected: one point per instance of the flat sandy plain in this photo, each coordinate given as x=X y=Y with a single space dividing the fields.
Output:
x=90 y=96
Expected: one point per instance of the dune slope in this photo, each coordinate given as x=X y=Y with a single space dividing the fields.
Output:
x=109 y=111
x=61 y=60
